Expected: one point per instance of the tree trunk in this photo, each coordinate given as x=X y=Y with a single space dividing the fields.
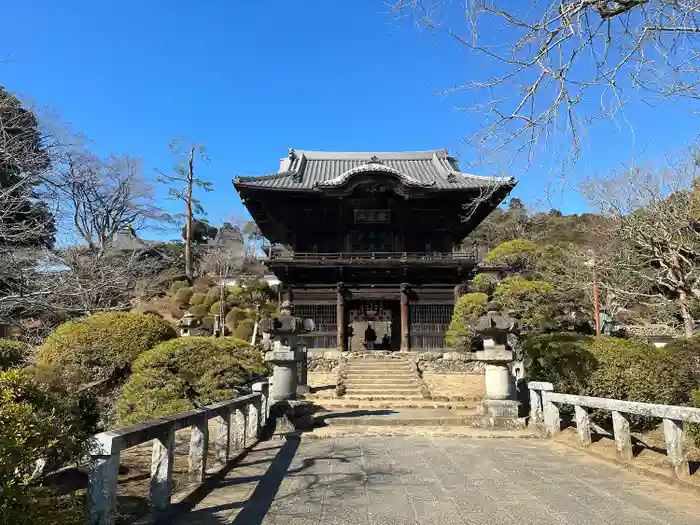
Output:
x=188 y=220
x=687 y=319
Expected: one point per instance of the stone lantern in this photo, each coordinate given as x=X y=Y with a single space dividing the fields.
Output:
x=496 y=329
x=189 y=325
x=284 y=353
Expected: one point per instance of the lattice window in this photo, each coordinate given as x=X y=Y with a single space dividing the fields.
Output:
x=324 y=316
x=428 y=342
x=430 y=313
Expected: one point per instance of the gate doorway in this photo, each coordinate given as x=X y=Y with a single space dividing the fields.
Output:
x=382 y=316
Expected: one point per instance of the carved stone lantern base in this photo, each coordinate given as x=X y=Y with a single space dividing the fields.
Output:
x=508 y=408
x=284 y=375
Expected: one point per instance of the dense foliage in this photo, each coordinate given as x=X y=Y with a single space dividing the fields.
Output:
x=101 y=346
x=13 y=354
x=469 y=307
x=37 y=424
x=629 y=370
x=185 y=373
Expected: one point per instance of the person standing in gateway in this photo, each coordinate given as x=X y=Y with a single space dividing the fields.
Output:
x=370 y=337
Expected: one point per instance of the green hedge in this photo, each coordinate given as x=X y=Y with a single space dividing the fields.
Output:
x=199 y=310
x=177 y=285
x=628 y=370
x=13 y=354
x=184 y=295
x=34 y=425
x=101 y=345
x=185 y=373
x=244 y=329
x=197 y=298
x=468 y=308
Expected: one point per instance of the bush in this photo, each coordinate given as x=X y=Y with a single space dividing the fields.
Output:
x=33 y=426
x=693 y=429
x=178 y=285
x=215 y=308
x=201 y=284
x=530 y=301
x=235 y=316
x=615 y=368
x=175 y=310
x=185 y=373
x=213 y=295
x=13 y=354
x=483 y=283
x=184 y=295
x=199 y=310
x=562 y=358
x=244 y=329
x=517 y=255
x=233 y=300
x=208 y=322
x=197 y=298
x=468 y=308
x=101 y=346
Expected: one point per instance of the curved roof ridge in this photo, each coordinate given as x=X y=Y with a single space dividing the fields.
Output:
x=371 y=167
x=366 y=155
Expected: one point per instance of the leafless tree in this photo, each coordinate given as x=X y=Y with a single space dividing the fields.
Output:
x=182 y=183
x=558 y=66
x=656 y=229
x=104 y=198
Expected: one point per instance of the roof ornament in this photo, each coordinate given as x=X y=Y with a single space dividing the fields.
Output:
x=291 y=154
x=451 y=177
x=374 y=160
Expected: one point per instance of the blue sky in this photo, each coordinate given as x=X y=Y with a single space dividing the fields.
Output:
x=250 y=79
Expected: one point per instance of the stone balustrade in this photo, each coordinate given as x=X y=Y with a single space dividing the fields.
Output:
x=544 y=411
x=237 y=422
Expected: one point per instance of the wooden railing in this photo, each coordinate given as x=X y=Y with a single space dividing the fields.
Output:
x=544 y=410
x=361 y=257
x=238 y=423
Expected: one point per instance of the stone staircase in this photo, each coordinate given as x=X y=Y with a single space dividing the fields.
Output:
x=382 y=378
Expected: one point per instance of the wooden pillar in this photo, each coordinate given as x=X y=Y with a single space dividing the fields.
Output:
x=340 y=316
x=405 y=289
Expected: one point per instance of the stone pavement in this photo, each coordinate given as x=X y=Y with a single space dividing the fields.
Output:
x=434 y=481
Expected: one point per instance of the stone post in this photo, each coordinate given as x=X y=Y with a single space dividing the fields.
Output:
x=673 y=436
x=284 y=355
x=623 y=436
x=405 y=335
x=302 y=379
x=102 y=489
x=239 y=427
x=341 y=317
x=162 y=470
x=199 y=447
x=494 y=329
x=222 y=437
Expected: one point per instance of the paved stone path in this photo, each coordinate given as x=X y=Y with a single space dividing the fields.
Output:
x=434 y=481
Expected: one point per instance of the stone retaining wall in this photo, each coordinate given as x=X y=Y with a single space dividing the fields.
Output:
x=448 y=362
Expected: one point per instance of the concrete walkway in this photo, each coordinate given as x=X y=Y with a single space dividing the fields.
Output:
x=434 y=481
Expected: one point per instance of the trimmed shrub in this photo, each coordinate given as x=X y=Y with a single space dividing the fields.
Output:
x=102 y=345
x=483 y=283
x=233 y=300
x=470 y=306
x=186 y=373
x=693 y=429
x=199 y=310
x=215 y=308
x=517 y=255
x=13 y=354
x=235 y=316
x=531 y=301
x=184 y=295
x=197 y=298
x=175 y=310
x=35 y=425
x=177 y=285
x=561 y=358
x=244 y=329
x=208 y=322
x=629 y=370
x=213 y=295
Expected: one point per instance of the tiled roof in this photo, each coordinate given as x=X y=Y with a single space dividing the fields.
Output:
x=318 y=169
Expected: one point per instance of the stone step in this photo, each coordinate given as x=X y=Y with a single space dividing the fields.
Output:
x=367 y=383
x=378 y=367
x=463 y=432
x=341 y=403
x=374 y=390
x=382 y=397
x=381 y=373
x=416 y=417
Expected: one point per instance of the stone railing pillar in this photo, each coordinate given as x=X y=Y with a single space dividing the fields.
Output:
x=162 y=470
x=536 y=389
x=673 y=436
x=222 y=438
x=405 y=334
x=102 y=489
x=199 y=447
x=623 y=436
x=552 y=420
